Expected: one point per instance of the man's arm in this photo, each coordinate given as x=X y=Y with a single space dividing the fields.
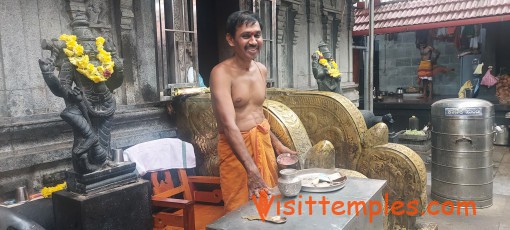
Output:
x=278 y=146
x=225 y=114
x=275 y=142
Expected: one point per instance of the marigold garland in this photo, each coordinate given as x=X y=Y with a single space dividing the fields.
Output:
x=331 y=66
x=74 y=52
x=48 y=191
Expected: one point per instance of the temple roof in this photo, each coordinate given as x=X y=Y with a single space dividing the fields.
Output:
x=401 y=16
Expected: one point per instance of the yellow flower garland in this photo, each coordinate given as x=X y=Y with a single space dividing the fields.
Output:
x=48 y=191
x=74 y=52
x=332 y=68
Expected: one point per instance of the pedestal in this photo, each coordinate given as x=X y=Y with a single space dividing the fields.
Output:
x=123 y=207
x=116 y=175
x=421 y=144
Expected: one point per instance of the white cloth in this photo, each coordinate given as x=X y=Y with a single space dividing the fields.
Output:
x=161 y=154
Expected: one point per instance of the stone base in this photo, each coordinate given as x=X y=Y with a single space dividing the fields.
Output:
x=123 y=173
x=350 y=90
x=426 y=226
x=123 y=207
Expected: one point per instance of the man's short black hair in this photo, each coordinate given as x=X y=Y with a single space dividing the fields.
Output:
x=239 y=18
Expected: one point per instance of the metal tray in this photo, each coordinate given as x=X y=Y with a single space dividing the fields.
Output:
x=314 y=172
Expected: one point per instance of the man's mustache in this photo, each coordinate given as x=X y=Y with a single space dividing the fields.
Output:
x=252 y=46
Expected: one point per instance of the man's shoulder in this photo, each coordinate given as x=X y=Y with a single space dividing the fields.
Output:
x=261 y=66
x=223 y=66
x=220 y=71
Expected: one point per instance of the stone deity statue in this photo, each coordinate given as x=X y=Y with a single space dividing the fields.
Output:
x=325 y=70
x=90 y=105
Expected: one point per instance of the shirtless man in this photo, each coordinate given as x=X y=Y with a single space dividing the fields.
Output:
x=425 y=68
x=238 y=89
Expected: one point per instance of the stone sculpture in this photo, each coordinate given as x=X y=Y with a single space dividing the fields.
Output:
x=301 y=118
x=90 y=104
x=325 y=70
x=371 y=119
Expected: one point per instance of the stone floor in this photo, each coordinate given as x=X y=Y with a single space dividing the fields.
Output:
x=495 y=217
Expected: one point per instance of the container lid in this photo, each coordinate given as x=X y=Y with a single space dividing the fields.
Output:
x=462 y=108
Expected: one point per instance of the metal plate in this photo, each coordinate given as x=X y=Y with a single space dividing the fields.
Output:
x=318 y=172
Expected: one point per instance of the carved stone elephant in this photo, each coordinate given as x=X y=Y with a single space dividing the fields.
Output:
x=304 y=120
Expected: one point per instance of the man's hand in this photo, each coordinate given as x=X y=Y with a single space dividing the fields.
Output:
x=280 y=148
x=256 y=184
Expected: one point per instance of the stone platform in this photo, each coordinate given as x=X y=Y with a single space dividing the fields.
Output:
x=123 y=173
x=123 y=207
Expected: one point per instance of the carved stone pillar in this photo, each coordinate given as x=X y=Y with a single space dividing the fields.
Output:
x=290 y=14
x=327 y=22
x=331 y=13
x=313 y=8
x=126 y=17
x=281 y=23
x=75 y=7
x=296 y=8
x=98 y=14
x=127 y=37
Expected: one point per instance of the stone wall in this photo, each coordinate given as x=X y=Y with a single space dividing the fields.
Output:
x=399 y=59
x=25 y=23
x=39 y=145
x=301 y=26
x=34 y=141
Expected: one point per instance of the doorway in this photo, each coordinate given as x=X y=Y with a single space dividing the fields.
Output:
x=212 y=46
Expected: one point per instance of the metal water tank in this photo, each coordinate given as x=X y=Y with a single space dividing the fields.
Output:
x=462 y=136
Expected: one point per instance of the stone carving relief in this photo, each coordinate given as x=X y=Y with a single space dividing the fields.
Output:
x=89 y=104
x=88 y=94
x=297 y=12
x=330 y=4
x=405 y=182
x=330 y=116
x=297 y=136
x=290 y=13
x=202 y=134
x=313 y=7
x=127 y=15
x=331 y=14
x=97 y=13
x=313 y=105
x=281 y=22
x=325 y=70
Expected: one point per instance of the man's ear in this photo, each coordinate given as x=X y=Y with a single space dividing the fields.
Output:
x=230 y=39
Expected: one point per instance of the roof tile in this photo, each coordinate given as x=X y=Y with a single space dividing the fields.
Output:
x=412 y=12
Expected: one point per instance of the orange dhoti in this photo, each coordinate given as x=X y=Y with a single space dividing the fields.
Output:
x=233 y=178
x=425 y=70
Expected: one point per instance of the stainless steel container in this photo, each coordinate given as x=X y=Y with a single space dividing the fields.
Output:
x=117 y=155
x=462 y=136
x=502 y=136
x=21 y=194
